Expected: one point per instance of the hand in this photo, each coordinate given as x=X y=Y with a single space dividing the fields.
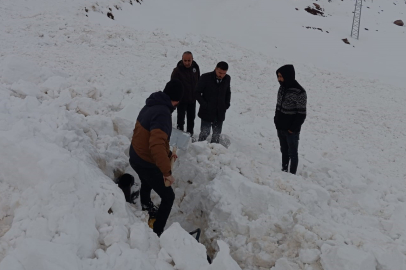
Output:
x=169 y=180
x=290 y=131
x=174 y=157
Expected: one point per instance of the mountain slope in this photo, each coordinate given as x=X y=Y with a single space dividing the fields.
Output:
x=71 y=87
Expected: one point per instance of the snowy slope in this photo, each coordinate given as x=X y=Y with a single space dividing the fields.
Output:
x=279 y=29
x=71 y=87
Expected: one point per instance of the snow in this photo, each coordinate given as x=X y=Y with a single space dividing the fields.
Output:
x=345 y=257
x=71 y=87
x=180 y=245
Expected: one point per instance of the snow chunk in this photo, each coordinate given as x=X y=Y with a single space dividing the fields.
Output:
x=144 y=239
x=118 y=234
x=223 y=259
x=64 y=98
x=124 y=120
x=25 y=88
x=44 y=255
x=164 y=256
x=15 y=68
x=284 y=264
x=185 y=251
x=101 y=124
x=55 y=83
x=346 y=258
x=388 y=257
x=309 y=255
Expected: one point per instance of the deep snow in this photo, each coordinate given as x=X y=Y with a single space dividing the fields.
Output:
x=71 y=87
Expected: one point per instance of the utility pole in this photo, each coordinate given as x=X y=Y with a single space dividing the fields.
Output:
x=356 y=22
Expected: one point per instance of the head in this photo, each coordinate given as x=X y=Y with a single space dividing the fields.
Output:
x=280 y=78
x=187 y=59
x=174 y=89
x=286 y=75
x=221 y=69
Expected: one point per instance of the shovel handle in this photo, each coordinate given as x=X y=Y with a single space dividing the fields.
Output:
x=167 y=183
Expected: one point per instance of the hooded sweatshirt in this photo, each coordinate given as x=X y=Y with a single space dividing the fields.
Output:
x=150 y=141
x=290 y=112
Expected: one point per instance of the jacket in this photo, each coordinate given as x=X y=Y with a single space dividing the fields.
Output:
x=150 y=141
x=189 y=78
x=214 y=98
x=290 y=112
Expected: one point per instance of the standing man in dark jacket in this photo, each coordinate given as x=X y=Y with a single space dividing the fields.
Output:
x=214 y=95
x=290 y=114
x=150 y=156
x=187 y=71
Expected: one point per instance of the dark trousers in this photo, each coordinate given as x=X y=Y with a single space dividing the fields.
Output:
x=289 y=144
x=152 y=179
x=205 y=131
x=188 y=110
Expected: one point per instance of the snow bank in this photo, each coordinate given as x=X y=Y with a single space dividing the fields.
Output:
x=268 y=222
x=59 y=210
x=187 y=253
x=68 y=103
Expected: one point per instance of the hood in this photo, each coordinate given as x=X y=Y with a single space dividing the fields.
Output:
x=288 y=74
x=159 y=98
x=194 y=65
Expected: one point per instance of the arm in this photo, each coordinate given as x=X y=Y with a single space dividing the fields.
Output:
x=158 y=143
x=175 y=74
x=301 y=102
x=199 y=90
x=228 y=95
x=278 y=101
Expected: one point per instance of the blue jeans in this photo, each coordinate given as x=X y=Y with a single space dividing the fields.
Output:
x=205 y=131
x=289 y=144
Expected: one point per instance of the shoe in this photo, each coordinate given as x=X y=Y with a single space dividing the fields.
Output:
x=151 y=222
x=180 y=128
x=285 y=167
x=134 y=196
x=151 y=208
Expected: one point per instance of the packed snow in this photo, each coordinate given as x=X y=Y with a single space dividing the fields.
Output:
x=71 y=86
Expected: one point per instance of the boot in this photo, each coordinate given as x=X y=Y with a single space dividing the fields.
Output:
x=151 y=208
